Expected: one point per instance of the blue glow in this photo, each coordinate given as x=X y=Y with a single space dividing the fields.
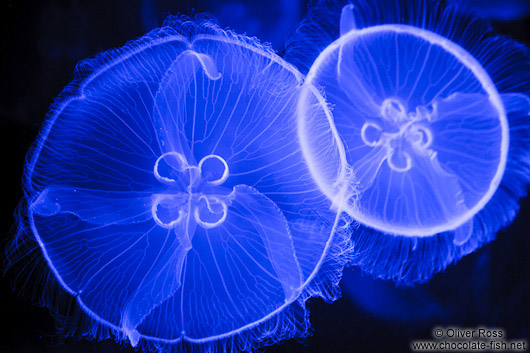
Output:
x=169 y=194
x=498 y=10
x=432 y=107
x=386 y=301
x=269 y=20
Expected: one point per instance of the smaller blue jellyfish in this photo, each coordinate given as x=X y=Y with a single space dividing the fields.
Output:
x=432 y=107
x=169 y=194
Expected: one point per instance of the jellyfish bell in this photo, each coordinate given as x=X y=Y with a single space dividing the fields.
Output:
x=170 y=197
x=432 y=108
x=428 y=146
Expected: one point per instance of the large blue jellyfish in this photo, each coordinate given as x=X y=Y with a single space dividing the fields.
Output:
x=170 y=196
x=432 y=107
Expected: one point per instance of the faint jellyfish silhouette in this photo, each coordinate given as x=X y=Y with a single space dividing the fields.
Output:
x=414 y=306
x=498 y=10
x=270 y=21
x=169 y=194
x=432 y=107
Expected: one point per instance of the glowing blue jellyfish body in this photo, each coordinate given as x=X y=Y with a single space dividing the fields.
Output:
x=428 y=143
x=432 y=122
x=170 y=195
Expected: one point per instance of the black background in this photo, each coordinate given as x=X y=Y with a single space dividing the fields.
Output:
x=41 y=42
